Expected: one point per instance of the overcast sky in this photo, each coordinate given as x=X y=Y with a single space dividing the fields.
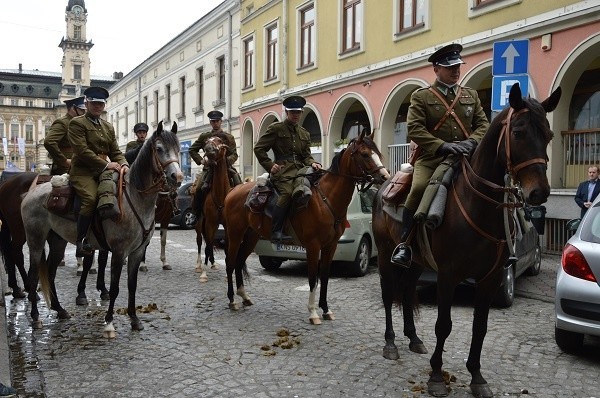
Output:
x=124 y=32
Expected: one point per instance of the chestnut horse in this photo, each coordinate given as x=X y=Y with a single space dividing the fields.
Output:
x=318 y=226
x=471 y=242
x=212 y=212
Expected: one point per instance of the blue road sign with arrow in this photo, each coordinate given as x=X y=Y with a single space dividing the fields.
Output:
x=510 y=57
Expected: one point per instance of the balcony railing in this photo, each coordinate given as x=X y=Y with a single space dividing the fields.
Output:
x=581 y=149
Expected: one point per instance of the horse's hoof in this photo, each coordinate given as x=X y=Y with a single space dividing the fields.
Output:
x=62 y=263
x=81 y=301
x=93 y=271
x=143 y=268
x=214 y=266
x=105 y=296
x=109 y=334
x=79 y=272
x=63 y=314
x=391 y=353
x=36 y=325
x=315 y=321
x=437 y=389
x=418 y=348
x=137 y=326
x=198 y=269
x=247 y=303
x=234 y=306
x=481 y=391
x=167 y=267
x=329 y=316
x=18 y=293
x=203 y=278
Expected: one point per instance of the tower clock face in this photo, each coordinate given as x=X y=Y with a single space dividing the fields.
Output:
x=77 y=10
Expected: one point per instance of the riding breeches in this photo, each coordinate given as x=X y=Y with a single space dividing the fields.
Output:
x=86 y=188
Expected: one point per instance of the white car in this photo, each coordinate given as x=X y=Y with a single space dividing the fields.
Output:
x=356 y=247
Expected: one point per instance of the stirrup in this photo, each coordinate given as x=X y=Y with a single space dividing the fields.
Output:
x=402 y=256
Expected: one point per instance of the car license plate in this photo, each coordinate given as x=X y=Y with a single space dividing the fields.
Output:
x=280 y=247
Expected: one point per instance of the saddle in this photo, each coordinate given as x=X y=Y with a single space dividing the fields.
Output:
x=61 y=198
x=399 y=187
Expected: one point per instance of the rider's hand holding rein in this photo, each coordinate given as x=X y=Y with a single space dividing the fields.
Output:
x=116 y=167
x=316 y=166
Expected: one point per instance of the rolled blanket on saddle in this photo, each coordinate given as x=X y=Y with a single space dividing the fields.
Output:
x=433 y=204
x=108 y=206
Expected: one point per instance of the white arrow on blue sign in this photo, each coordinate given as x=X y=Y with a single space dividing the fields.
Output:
x=501 y=86
x=510 y=57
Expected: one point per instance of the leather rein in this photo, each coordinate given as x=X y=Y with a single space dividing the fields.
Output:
x=509 y=189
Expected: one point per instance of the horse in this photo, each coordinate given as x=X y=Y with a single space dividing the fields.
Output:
x=126 y=237
x=212 y=212
x=507 y=170
x=317 y=226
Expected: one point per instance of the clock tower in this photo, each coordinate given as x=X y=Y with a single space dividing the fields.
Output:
x=76 y=52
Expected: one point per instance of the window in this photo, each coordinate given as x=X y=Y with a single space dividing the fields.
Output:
x=411 y=14
x=116 y=125
x=14 y=132
x=200 y=89
x=351 y=25
x=126 y=131
x=156 y=120
x=1 y=129
x=480 y=7
x=248 y=62
x=77 y=32
x=136 y=109
x=77 y=72
x=14 y=101
x=29 y=133
x=307 y=36
x=182 y=96
x=168 y=101
x=221 y=88
x=145 y=101
x=271 y=51
x=48 y=104
x=29 y=103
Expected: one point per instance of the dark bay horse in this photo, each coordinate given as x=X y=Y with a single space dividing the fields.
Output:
x=158 y=161
x=317 y=226
x=212 y=212
x=472 y=240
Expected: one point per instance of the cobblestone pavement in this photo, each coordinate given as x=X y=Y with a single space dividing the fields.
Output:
x=194 y=346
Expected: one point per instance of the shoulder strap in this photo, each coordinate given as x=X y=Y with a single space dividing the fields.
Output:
x=449 y=110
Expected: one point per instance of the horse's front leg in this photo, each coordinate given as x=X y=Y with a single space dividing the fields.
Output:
x=132 y=274
x=410 y=276
x=483 y=299
x=81 y=296
x=324 y=269
x=250 y=239
x=163 y=245
x=56 y=252
x=199 y=268
x=116 y=267
x=386 y=281
x=443 y=326
x=36 y=257
x=100 y=285
x=230 y=265
x=312 y=259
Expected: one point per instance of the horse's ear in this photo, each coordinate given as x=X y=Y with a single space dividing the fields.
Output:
x=551 y=102
x=372 y=135
x=361 y=135
x=160 y=127
x=515 y=98
x=174 y=128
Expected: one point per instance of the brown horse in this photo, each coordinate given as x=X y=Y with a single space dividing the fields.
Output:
x=212 y=212
x=472 y=240
x=318 y=226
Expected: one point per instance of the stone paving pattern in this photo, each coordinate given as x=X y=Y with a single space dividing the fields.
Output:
x=194 y=346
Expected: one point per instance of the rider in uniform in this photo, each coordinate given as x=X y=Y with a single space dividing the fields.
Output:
x=439 y=140
x=215 y=118
x=57 y=143
x=290 y=143
x=95 y=149
x=133 y=147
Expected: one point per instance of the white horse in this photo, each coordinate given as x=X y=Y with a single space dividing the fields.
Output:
x=126 y=238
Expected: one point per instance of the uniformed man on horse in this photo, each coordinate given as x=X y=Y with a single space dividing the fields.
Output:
x=203 y=185
x=290 y=143
x=57 y=141
x=133 y=147
x=95 y=149
x=446 y=121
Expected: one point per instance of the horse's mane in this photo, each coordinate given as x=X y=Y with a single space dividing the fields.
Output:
x=138 y=174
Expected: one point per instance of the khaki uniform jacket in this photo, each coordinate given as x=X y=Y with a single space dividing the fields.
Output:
x=291 y=146
x=58 y=145
x=132 y=145
x=89 y=140
x=200 y=143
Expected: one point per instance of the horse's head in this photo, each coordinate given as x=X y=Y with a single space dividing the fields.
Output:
x=363 y=160
x=214 y=148
x=523 y=140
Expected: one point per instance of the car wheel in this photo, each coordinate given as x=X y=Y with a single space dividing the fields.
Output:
x=506 y=294
x=568 y=341
x=188 y=219
x=360 y=265
x=534 y=269
x=270 y=263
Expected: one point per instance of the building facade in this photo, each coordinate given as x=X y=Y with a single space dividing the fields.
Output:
x=194 y=73
x=30 y=100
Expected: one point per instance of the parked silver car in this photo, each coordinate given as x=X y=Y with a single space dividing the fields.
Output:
x=577 y=298
x=356 y=247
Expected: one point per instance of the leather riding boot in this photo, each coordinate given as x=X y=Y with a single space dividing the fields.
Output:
x=278 y=219
x=83 y=247
x=402 y=254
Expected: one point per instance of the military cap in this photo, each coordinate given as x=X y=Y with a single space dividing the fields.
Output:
x=140 y=127
x=96 y=94
x=215 y=115
x=447 y=56
x=294 y=103
x=78 y=102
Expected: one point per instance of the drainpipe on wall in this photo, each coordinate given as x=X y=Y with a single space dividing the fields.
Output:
x=229 y=75
x=284 y=55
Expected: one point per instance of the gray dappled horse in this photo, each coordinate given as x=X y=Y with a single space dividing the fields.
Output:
x=126 y=238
